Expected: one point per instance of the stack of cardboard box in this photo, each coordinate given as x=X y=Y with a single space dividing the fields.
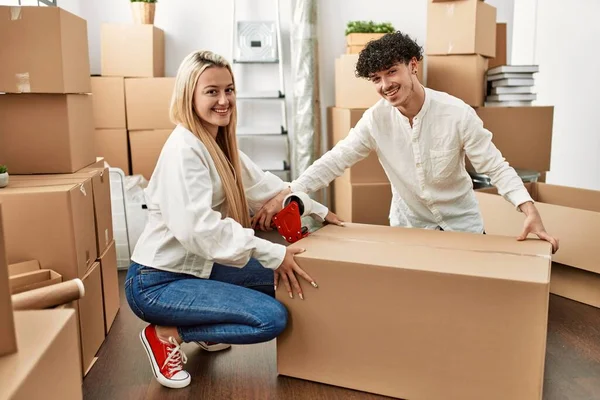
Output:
x=461 y=37
x=132 y=97
x=57 y=210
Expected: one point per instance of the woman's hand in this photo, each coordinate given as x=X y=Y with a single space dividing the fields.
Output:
x=287 y=272
x=262 y=219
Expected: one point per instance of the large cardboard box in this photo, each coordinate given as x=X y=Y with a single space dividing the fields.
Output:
x=51 y=224
x=368 y=170
x=46 y=133
x=447 y=315
x=522 y=134
x=353 y=92
x=149 y=102
x=575 y=284
x=145 y=150
x=501 y=47
x=460 y=76
x=108 y=95
x=571 y=214
x=132 y=50
x=47 y=51
x=461 y=27
x=355 y=42
x=91 y=317
x=100 y=191
x=8 y=341
x=112 y=145
x=365 y=203
x=47 y=365
x=110 y=285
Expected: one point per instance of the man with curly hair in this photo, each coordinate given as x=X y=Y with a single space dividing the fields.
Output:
x=421 y=137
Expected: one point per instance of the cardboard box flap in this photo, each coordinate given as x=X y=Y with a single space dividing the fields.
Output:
x=430 y=238
x=428 y=258
x=18 y=188
x=583 y=199
x=23 y=267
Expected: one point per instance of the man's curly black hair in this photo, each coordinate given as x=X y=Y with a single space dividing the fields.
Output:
x=382 y=53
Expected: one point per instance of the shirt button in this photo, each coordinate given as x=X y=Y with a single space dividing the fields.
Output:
x=415 y=140
x=418 y=165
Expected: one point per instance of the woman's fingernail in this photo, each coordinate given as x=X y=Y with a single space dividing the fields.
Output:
x=291 y=295
x=314 y=284
x=301 y=296
x=275 y=287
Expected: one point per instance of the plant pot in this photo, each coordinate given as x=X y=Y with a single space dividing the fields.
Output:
x=143 y=13
x=4 y=180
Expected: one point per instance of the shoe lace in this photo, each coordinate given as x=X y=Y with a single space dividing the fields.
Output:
x=176 y=357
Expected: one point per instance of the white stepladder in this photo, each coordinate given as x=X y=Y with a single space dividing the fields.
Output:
x=259 y=42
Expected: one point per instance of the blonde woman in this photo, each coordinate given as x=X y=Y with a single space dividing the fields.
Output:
x=198 y=273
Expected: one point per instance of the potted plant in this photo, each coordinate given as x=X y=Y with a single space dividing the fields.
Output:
x=359 y=33
x=3 y=176
x=143 y=11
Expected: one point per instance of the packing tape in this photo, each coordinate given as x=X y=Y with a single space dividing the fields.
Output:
x=82 y=188
x=450 y=47
x=450 y=10
x=15 y=13
x=23 y=83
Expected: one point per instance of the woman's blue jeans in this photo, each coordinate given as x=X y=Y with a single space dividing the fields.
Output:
x=235 y=305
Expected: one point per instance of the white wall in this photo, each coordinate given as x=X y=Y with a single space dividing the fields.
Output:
x=505 y=13
x=568 y=80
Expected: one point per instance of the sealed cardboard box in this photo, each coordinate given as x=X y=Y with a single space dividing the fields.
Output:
x=132 y=50
x=145 y=150
x=355 y=42
x=51 y=224
x=461 y=27
x=46 y=133
x=47 y=51
x=91 y=317
x=353 y=92
x=112 y=145
x=522 y=134
x=501 y=48
x=368 y=170
x=460 y=76
x=430 y=303
x=110 y=285
x=8 y=341
x=571 y=214
x=575 y=284
x=148 y=103
x=366 y=203
x=47 y=365
x=108 y=95
x=100 y=191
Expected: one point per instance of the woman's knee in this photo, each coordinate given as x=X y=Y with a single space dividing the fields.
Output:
x=275 y=320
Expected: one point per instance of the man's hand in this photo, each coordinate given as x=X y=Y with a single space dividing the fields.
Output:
x=533 y=224
x=333 y=219
x=262 y=219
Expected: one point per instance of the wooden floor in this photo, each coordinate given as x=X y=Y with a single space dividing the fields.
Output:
x=249 y=372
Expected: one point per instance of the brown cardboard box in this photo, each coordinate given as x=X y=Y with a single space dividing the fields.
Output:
x=47 y=365
x=571 y=214
x=461 y=27
x=132 y=50
x=47 y=51
x=108 y=95
x=51 y=224
x=91 y=317
x=355 y=42
x=501 y=48
x=145 y=150
x=8 y=341
x=522 y=134
x=353 y=92
x=112 y=145
x=434 y=307
x=100 y=191
x=575 y=284
x=29 y=275
x=46 y=133
x=460 y=76
x=110 y=285
x=368 y=170
x=148 y=103
x=365 y=203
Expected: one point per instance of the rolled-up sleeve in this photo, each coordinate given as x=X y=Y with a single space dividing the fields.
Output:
x=186 y=206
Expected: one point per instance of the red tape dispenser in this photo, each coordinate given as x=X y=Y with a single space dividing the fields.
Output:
x=288 y=221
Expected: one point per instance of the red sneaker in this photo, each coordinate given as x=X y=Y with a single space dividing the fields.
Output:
x=166 y=359
x=212 y=346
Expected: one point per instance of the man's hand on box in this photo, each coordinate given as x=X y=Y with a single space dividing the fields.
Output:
x=533 y=224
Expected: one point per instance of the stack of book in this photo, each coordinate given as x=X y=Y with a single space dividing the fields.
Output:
x=511 y=85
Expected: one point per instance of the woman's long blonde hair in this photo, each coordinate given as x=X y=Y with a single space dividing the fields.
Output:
x=223 y=150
